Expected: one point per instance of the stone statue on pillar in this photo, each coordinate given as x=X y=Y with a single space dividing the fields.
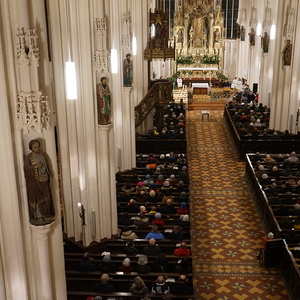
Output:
x=127 y=70
x=103 y=102
x=287 y=53
x=265 y=41
x=38 y=182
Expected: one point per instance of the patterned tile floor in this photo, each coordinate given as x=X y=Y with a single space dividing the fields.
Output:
x=226 y=231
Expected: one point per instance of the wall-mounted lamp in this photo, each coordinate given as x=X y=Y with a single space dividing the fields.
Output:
x=71 y=82
x=81 y=212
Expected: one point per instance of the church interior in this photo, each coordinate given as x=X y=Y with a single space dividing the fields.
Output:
x=151 y=142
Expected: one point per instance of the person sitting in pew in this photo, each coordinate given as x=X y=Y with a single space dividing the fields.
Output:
x=103 y=286
x=182 y=210
x=141 y=220
x=152 y=248
x=127 y=189
x=152 y=197
x=160 y=288
x=158 y=221
x=87 y=263
x=184 y=221
x=182 y=250
x=182 y=287
x=166 y=197
x=176 y=234
x=161 y=264
x=106 y=266
x=184 y=266
x=126 y=267
x=128 y=234
x=138 y=287
x=155 y=234
x=132 y=207
x=168 y=209
x=130 y=248
x=142 y=265
x=125 y=219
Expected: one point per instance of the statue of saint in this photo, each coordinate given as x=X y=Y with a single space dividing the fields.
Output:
x=192 y=35
x=243 y=32
x=103 y=102
x=127 y=70
x=180 y=36
x=252 y=37
x=265 y=42
x=287 y=53
x=217 y=35
x=38 y=182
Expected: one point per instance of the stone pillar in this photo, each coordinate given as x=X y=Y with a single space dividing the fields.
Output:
x=264 y=90
x=40 y=234
x=128 y=149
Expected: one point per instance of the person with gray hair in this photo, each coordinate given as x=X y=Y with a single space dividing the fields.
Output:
x=126 y=267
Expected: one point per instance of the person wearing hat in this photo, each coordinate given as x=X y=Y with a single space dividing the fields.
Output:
x=142 y=265
x=106 y=266
x=153 y=210
x=140 y=188
x=182 y=210
x=155 y=234
x=158 y=220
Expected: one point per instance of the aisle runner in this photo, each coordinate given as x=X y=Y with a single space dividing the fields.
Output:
x=226 y=231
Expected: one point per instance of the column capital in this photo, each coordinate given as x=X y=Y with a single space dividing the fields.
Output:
x=41 y=232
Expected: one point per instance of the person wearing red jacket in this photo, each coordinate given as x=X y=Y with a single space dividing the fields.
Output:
x=182 y=250
x=158 y=220
x=182 y=210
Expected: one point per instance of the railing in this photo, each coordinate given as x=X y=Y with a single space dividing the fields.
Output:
x=160 y=92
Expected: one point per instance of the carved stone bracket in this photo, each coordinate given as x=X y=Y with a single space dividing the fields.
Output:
x=27 y=48
x=33 y=111
x=101 y=60
x=289 y=26
x=126 y=31
x=253 y=20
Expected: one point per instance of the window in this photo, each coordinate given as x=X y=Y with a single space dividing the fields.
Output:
x=231 y=10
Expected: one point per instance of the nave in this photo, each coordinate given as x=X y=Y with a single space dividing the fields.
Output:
x=226 y=231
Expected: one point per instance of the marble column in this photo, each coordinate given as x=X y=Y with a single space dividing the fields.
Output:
x=264 y=91
x=41 y=235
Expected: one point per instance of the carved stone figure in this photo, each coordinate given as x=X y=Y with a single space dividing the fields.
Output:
x=127 y=70
x=38 y=181
x=287 y=53
x=217 y=35
x=265 y=42
x=252 y=37
x=243 y=32
x=103 y=102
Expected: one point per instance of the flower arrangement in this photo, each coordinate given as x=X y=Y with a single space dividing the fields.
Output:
x=184 y=60
x=211 y=59
x=221 y=76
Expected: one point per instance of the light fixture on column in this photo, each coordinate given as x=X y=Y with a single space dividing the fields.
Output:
x=114 y=61
x=81 y=212
x=152 y=30
x=273 y=32
x=258 y=29
x=134 y=47
x=71 y=83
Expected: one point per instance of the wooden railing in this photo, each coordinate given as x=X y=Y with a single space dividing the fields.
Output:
x=160 y=92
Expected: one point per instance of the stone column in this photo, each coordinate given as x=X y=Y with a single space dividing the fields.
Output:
x=128 y=128
x=264 y=90
x=40 y=234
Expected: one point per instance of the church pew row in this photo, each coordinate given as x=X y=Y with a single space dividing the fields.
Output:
x=160 y=146
x=121 y=284
x=288 y=264
x=81 y=295
x=252 y=146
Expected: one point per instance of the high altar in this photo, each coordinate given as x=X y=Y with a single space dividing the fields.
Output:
x=198 y=38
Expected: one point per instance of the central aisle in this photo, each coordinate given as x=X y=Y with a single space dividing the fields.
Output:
x=226 y=231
